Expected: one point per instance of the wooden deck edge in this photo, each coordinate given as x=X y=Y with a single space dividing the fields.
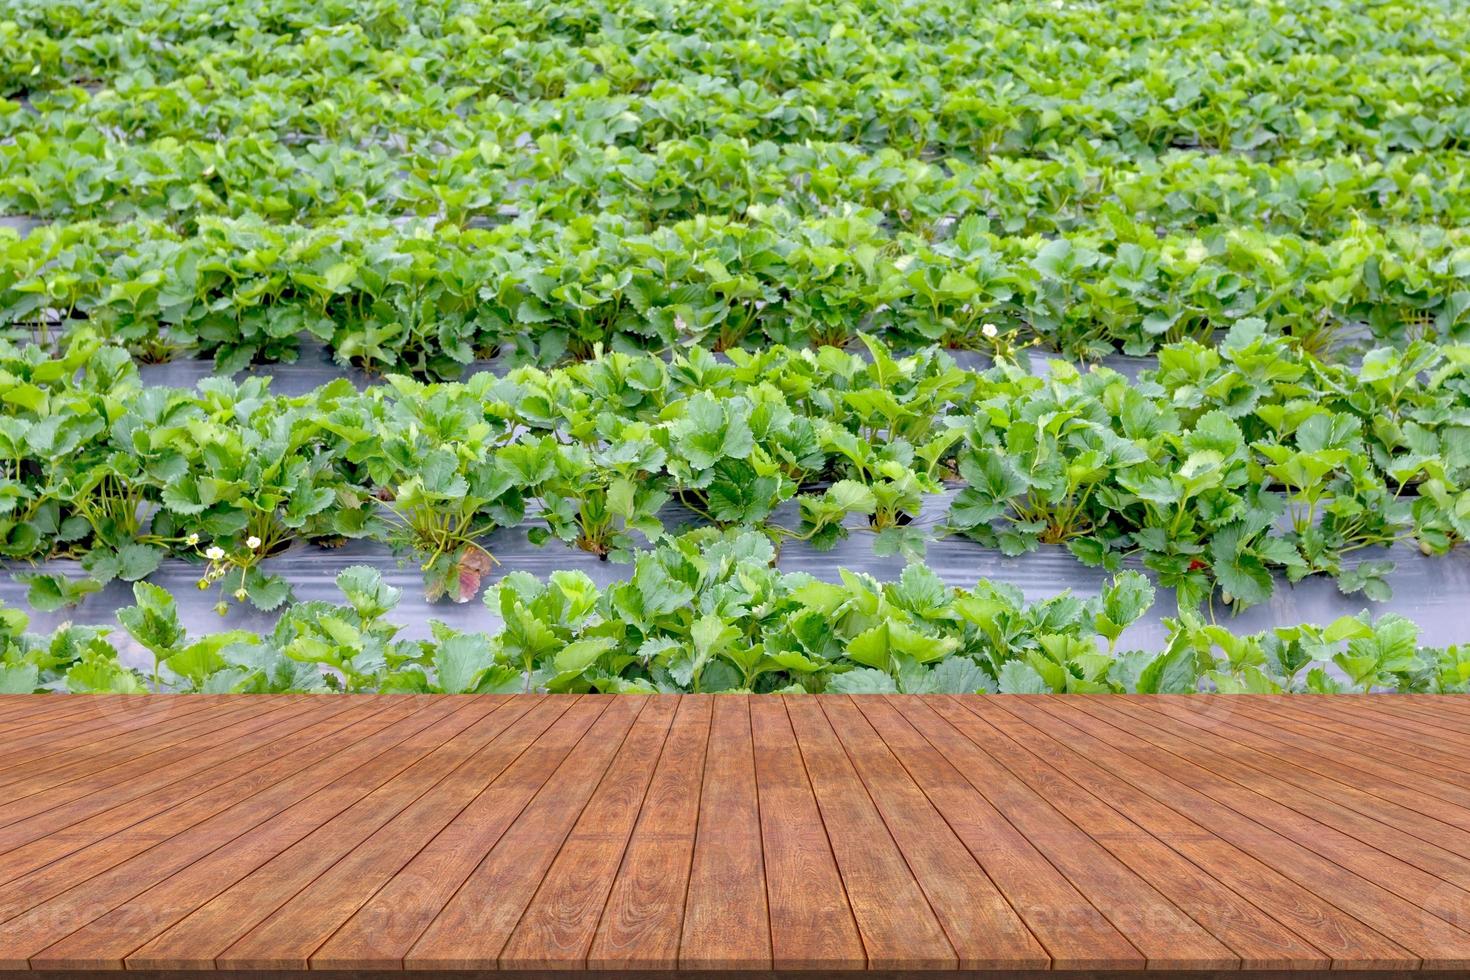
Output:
x=1166 y=974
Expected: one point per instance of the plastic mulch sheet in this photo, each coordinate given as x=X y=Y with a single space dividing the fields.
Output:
x=315 y=367
x=1428 y=590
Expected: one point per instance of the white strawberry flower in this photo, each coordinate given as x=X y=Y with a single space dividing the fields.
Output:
x=214 y=552
x=989 y=330
x=252 y=542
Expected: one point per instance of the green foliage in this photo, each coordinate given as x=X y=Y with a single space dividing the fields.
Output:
x=831 y=197
x=1226 y=470
x=418 y=187
x=706 y=612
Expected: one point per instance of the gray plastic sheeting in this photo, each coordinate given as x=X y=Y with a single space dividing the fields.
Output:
x=20 y=224
x=315 y=367
x=1431 y=591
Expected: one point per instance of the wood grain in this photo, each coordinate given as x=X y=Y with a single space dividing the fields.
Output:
x=726 y=923
x=381 y=932
x=558 y=926
x=981 y=925
x=286 y=939
x=812 y=927
x=642 y=923
x=195 y=940
x=1185 y=787
x=1157 y=927
x=472 y=929
x=1075 y=934
x=899 y=927
x=815 y=834
x=1315 y=919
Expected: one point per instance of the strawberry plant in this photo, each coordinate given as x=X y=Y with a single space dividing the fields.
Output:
x=706 y=612
x=725 y=266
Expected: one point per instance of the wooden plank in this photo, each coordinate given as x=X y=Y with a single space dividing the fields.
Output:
x=899 y=929
x=1431 y=707
x=286 y=939
x=107 y=713
x=817 y=833
x=384 y=929
x=558 y=926
x=31 y=770
x=726 y=921
x=979 y=923
x=1256 y=939
x=1427 y=740
x=48 y=834
x=1260 y=942
x=45 y=768
x=22 y=710
x=1155 y=926
x=1336 y=934
x=1318 y=745
x=1448 y=726
x=50 y=863
x=54 y=711
x=1434 y=704
x=195 y=940
x=1360 y=783
x=644 y=916
x=151 y=755
x=1179 y=787
x=1326 y=935
x=37 y=743
x=221 y=853
x=54 y=901
x=811 y=922
x=21 y=705
x=1386 y=741
x=1429 y=876
x=1074 y=933
x=472 y=929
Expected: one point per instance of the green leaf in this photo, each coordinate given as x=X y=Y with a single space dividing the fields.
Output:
x=48 y=593
x=461 y=662
x=576 y=657
x=959 y=675
x=1173 y=672
x=198 y=660
x=19 y=678
x=1128 y=597
x=153 y=621
x=94 y=675
x=129 y=563
x=1019 y=677
x=862 y=680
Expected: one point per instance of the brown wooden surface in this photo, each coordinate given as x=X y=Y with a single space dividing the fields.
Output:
x=824 y=834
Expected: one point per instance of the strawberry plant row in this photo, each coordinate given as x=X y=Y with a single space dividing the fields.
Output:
x=430 y=298
x=89 y=174
x=147 y=33
x=1007 y=79
x=1218 y=470
x=707 y=612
